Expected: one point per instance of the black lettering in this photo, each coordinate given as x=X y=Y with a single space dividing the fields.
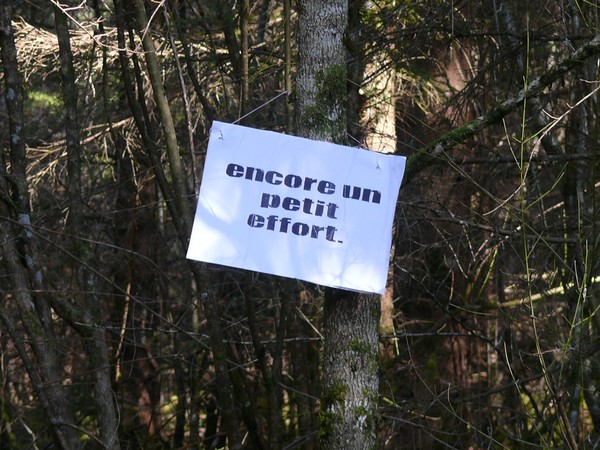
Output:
x=307 y=205
x=300 y=229
x=269 y=177
x=292 y=181
x=256 y=221
x=271 y=222
x=260 y=174
x=234 y=170
x=270 y=201
x=315 y=231
x=283 y=226
x=326 y=187
x=366 y=196
x=330 y=233
x=308 y=182
x=331 y=207
x=355 y=192
x=291 y=204
x=319 y=208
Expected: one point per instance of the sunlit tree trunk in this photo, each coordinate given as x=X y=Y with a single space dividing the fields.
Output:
x=350 y=382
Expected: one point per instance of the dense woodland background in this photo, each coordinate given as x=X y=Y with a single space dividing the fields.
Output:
x=109 y=338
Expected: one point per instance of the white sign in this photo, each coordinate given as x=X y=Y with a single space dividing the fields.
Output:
x=297 y=208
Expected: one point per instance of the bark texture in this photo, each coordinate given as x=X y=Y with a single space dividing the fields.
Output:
x=20 y=257
x=348 y=417
x=321 y=70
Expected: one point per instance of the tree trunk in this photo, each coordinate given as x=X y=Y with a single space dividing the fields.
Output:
x=20 y=256
x=183 y=222
x=350 y=381
x=348 y=418
x=87 y=324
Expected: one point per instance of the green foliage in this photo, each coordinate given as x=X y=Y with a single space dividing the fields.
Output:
x=332 y=399
x=326 y=115
x=45 y=100
x=8 y=440
x=359 y=346
x=334 y=394
x=331 y=84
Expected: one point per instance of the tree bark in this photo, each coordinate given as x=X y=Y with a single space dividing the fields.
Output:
x=183 y=222
x=71 y=122
x=21 y=260
x=87 y=310
x=348 y=417
x=244 y=6
x=321 y=70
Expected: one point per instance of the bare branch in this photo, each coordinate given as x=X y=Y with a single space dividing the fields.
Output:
x=431 y=153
